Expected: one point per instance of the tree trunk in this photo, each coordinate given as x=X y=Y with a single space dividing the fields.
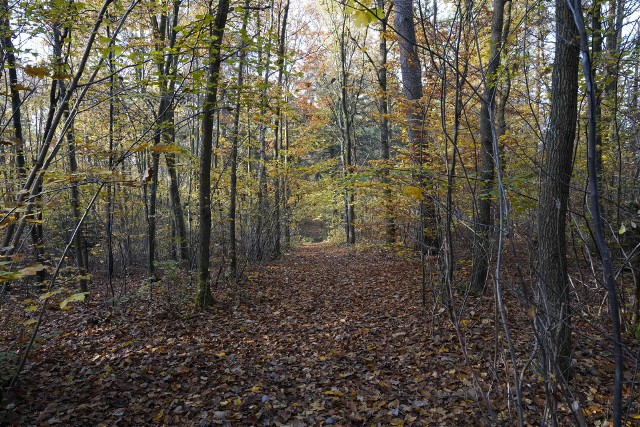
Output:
x=110 y=187
x=383 y=110
x=483 y=221
x=167 y=127
x=596 y=51
x=412 y=91
x=347 y=140
x=203 y=296
x=555 y=178
x=233 y=186
x=598 y=228
x=278 y=130
x=263 y=199
x=8 y=51
x=79 y=242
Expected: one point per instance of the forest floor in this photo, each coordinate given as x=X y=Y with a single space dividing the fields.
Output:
x=325 y=336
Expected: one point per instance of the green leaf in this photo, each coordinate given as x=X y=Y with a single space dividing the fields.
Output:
x=7 y=276
x=622 y=229
x=80 y=296
x=48 y=295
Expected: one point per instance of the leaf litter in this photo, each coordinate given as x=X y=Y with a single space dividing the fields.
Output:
x=326 y=336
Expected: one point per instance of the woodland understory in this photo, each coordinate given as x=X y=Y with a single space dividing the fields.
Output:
x=326 y=336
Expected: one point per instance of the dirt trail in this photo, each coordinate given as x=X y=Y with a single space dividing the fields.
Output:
x=326 y=336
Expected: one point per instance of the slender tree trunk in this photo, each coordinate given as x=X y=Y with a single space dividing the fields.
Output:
x=285 y=187
x=159 y=30
x=596 y=50
x=35 y=204
x=8 y=51
x=176 y=204
x=505 y=89
x=412 y=91
x=483 y=221
x=110 y=187
x=599 y=235
x=167 y=127
x=347 y=132
x=151 y=217
x=79 y=241
x=612 y=56
x=383 y=110
x=263 y=199
x=502 y=95
x=203 y=296
x=235 y=140
x=555 y=178
x=277 y=132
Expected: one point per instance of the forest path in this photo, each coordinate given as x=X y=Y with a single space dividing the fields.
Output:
x=327 y=335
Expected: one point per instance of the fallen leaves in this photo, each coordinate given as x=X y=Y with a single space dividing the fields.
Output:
x=327 y=336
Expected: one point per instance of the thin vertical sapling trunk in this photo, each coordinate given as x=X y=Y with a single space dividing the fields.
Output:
x=383 y=110
x=233 y=185
x=110 y=187
x=264 y=57
x=79 y=240
x=599 y=236
x=346 y=128
x=277 y=131
x=9 y=54
x=483 y=221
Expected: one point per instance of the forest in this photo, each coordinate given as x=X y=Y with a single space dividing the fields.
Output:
x=332 y=212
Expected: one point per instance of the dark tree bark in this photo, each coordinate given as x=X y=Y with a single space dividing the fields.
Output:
x=235 y=140
x=203 y=296
x=483 y=221
x=167 y=68
x=412 y=91
x=596 y=51
x=346 y=128
x=79 y=242
x=383 y=110
x=170 y=138
x=555 y=178
x=110 y=205
x=8 y=52
x=264 y=57
x=10 y=57
x=409 y=64
x=278 y=132
x=599 y=235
